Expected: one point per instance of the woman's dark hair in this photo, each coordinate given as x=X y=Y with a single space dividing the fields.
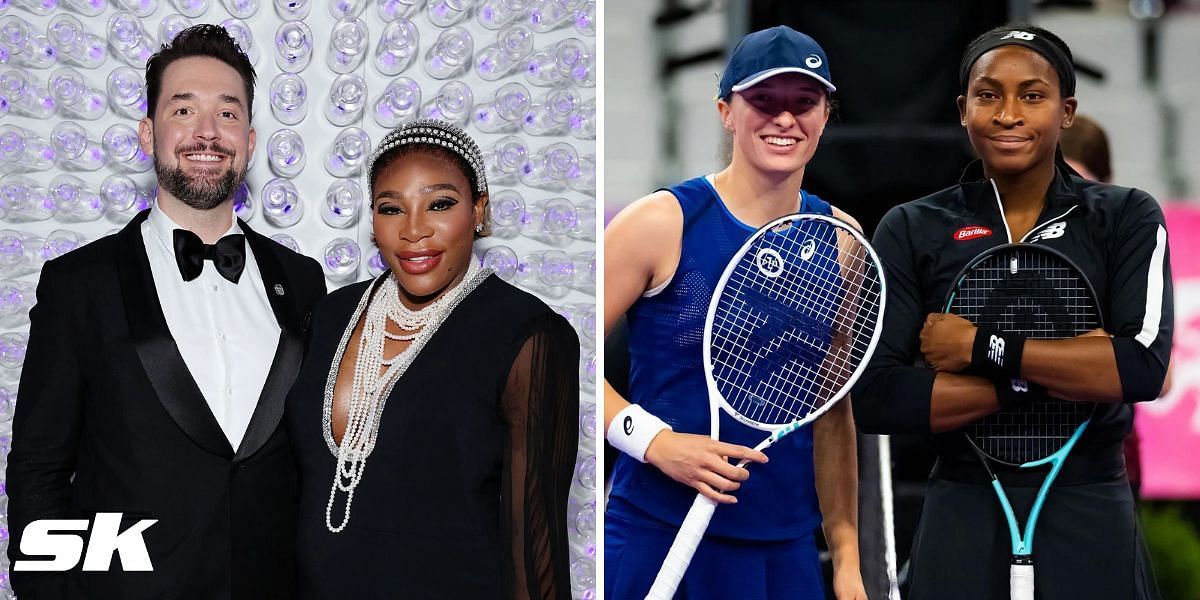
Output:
x=1040 y=40
x=1086 y=142
x=439 y=153
x=208 y=41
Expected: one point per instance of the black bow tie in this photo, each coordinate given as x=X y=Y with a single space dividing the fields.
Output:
x=228 y=255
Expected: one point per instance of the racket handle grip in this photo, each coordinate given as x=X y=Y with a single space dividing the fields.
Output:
x=682 y=549
x=1020 y=582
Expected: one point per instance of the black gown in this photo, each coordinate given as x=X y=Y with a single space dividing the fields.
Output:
x=465 y=493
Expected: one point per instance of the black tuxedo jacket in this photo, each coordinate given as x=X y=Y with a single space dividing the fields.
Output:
x=109 y=419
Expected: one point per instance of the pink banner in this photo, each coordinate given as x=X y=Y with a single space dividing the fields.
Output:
x=1169 y=428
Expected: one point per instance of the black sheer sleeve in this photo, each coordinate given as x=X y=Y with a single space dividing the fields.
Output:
x=540 y=404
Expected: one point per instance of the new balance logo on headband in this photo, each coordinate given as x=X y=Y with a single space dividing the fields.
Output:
x=1020 y=35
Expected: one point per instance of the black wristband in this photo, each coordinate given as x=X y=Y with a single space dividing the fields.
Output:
x=1014 y=391
x=997 y=354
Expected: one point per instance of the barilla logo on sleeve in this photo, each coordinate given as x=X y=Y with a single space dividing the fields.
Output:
x=971 y=232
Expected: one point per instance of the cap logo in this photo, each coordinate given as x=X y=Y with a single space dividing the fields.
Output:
x=813 y=61
x=971 y=232
x=1020 y=35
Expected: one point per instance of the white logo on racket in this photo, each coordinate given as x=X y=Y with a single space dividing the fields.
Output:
x=769 y=262
x=808 y=249
x=996 y=349
x=1019 y=385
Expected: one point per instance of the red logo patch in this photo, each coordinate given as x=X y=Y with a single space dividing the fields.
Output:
x=971 y=232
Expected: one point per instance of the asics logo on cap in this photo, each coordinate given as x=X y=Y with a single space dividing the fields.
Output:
x=1020 y=35
x=813 y=61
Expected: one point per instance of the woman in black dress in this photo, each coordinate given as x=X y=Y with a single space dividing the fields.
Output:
x=471 y=462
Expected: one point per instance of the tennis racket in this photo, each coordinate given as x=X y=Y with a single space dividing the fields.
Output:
x=792 y=323
x=1039 y=293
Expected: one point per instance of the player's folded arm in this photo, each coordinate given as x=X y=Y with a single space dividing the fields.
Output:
x=1141 y=298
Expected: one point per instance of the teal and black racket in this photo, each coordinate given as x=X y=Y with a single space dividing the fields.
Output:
x=1037 y=292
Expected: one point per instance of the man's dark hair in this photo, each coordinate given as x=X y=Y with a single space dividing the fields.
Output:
x=210 y=41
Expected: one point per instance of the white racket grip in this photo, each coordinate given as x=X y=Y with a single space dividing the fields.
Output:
x=682 y=549
x=1020 y=582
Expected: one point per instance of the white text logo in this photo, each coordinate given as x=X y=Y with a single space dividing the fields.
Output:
x=40 y=539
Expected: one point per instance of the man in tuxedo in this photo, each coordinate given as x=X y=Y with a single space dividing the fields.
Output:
x=158 y=362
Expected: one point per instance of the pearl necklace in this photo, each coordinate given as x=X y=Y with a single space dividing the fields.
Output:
x=370 y=389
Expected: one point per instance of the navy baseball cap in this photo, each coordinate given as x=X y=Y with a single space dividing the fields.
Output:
x=770 y=52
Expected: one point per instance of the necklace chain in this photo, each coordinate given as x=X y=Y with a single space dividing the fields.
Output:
x=375 y=375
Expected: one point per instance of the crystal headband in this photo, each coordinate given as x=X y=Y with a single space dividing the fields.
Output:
x=432 y=132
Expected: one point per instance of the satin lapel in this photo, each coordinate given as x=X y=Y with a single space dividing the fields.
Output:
x=288 y=353
x=164 y=366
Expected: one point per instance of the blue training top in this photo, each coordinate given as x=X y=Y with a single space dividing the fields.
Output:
x=666 y=333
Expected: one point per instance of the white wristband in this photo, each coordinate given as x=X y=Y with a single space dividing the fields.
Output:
x=633 y=429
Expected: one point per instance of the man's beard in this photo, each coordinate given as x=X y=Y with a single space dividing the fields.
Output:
x=198 y=192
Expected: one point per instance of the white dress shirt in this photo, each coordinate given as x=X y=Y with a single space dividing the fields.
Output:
x=226 y=332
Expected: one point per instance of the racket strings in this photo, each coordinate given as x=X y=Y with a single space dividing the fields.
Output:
x=1037 y=294
x=793 y=321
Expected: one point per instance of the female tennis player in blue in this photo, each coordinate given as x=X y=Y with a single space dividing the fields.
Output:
x=1018 y=87
x=663 y=257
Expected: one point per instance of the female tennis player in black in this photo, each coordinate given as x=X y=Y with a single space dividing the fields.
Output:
x=1018 y=89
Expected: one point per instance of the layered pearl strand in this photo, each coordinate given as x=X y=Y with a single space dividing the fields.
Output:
x=375 y=375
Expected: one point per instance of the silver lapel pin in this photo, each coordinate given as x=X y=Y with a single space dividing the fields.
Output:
x=279 y=289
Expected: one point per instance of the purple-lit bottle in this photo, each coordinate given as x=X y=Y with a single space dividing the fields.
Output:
x=452 y=103
x=347 y=45
x=504 y=112
x=76 y=149
x=444 y=13
x=289 y=98
x=23 y=151
x=285 y=153
x=347 y=98
x=348 y=152
x=128 y=40
x=25 y=96
x=505 y=159
x=74 y=44
x=343 y=203
x=450 y=55
x=398 y=47
x=400 y=102
x=124 y=152
x=341 y=258
x=281 y=203
x=508 y=54
x=494 y=14
x=293 y=46
x=127 y=93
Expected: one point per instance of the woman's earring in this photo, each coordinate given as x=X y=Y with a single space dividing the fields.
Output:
x=479 y=228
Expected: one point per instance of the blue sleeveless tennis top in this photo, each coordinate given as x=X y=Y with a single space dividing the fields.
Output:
x=666 y=330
